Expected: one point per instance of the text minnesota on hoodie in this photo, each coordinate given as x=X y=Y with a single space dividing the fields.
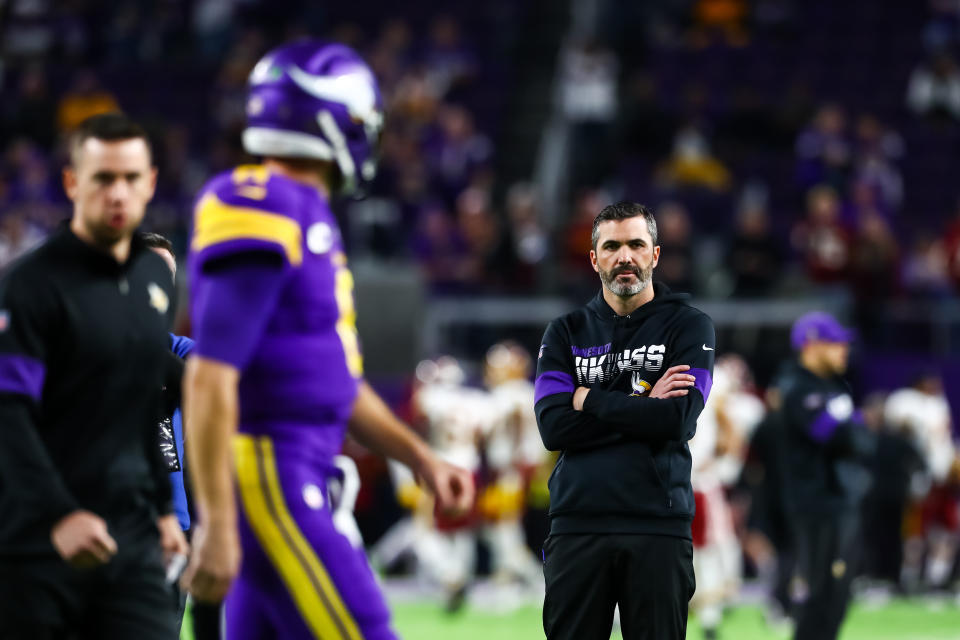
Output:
x=624 y=465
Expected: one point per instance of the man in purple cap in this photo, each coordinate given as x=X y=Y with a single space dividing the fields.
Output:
x=825 y=442
x=276 y=378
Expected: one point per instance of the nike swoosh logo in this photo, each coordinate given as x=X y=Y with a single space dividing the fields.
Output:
x=706 y=348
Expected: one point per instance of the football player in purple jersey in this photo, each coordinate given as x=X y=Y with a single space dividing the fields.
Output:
x=276 y=378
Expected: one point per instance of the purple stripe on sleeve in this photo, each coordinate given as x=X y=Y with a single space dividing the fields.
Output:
x=703 y=382
x=550 y=382
x=823 y=426
x=22 y=374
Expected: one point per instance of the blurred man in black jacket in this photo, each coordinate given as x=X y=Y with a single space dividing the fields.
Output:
x=85 y=510
x=825 y=452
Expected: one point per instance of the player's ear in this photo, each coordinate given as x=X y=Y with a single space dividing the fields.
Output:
x=153 y=181
x=593 y=260
x=656 y=256
x=70 y=181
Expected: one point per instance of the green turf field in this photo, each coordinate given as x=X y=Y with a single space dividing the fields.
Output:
x=897 y=620
x=900 y=620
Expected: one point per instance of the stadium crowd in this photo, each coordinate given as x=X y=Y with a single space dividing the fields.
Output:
x=838 y=213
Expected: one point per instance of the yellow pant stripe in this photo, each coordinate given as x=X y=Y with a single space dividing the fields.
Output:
x=328 y=590
x=261 y=512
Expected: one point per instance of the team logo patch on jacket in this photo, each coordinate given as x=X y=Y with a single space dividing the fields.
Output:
x=640 y=386
x=158 y=298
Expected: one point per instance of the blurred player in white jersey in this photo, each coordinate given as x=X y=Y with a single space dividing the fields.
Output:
x=459 y=418
x=513 y=451
x=921 y=411
x=717 y=450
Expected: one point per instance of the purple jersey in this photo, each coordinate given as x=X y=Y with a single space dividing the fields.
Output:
x=297 y=345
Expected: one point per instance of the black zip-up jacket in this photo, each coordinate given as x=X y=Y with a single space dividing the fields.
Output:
x=625 y=464
x=83 y=355
x=826 y=444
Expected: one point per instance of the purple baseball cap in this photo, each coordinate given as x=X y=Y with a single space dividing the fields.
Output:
x=818 y=325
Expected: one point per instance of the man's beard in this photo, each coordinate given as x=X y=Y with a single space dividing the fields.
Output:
x=105 y=236
x=642 y=274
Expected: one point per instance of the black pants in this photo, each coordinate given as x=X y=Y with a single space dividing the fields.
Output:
x=587 y=575
x=827 y=555
x=126 y=598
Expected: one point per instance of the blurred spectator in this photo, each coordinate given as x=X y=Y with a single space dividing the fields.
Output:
x=588 y=101
x=440 y=250
x=449 y=62
x=864 y=198
x=415 y=100
x=390 y=54
x=692 y=164
x=754 y=258
x=719 y=22
x=212 y=22
x=934 y=89
x=459 y=152
x=489 y=258
x=877 y=149
x=29 y=32
x=529 y=237
x=32 y=186
x=942 y=31
x=577 y=244
x=230 y=95
x=874 y=271
x=823 y=150
x=676 y=247
x=874 y=138
x=821 y=240
x=882 y=181
x=588 y=77
x=84 y=99
x=925 y=271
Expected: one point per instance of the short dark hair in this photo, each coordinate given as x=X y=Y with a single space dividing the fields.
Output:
x=622 y=211
x=106 y=126
x=156 y=241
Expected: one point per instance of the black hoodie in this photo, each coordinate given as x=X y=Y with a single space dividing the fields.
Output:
x=624 y=465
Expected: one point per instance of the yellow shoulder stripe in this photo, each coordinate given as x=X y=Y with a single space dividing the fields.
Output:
x=216 y=221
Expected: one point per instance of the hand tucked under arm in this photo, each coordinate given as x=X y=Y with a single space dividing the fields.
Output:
x=564 y=428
